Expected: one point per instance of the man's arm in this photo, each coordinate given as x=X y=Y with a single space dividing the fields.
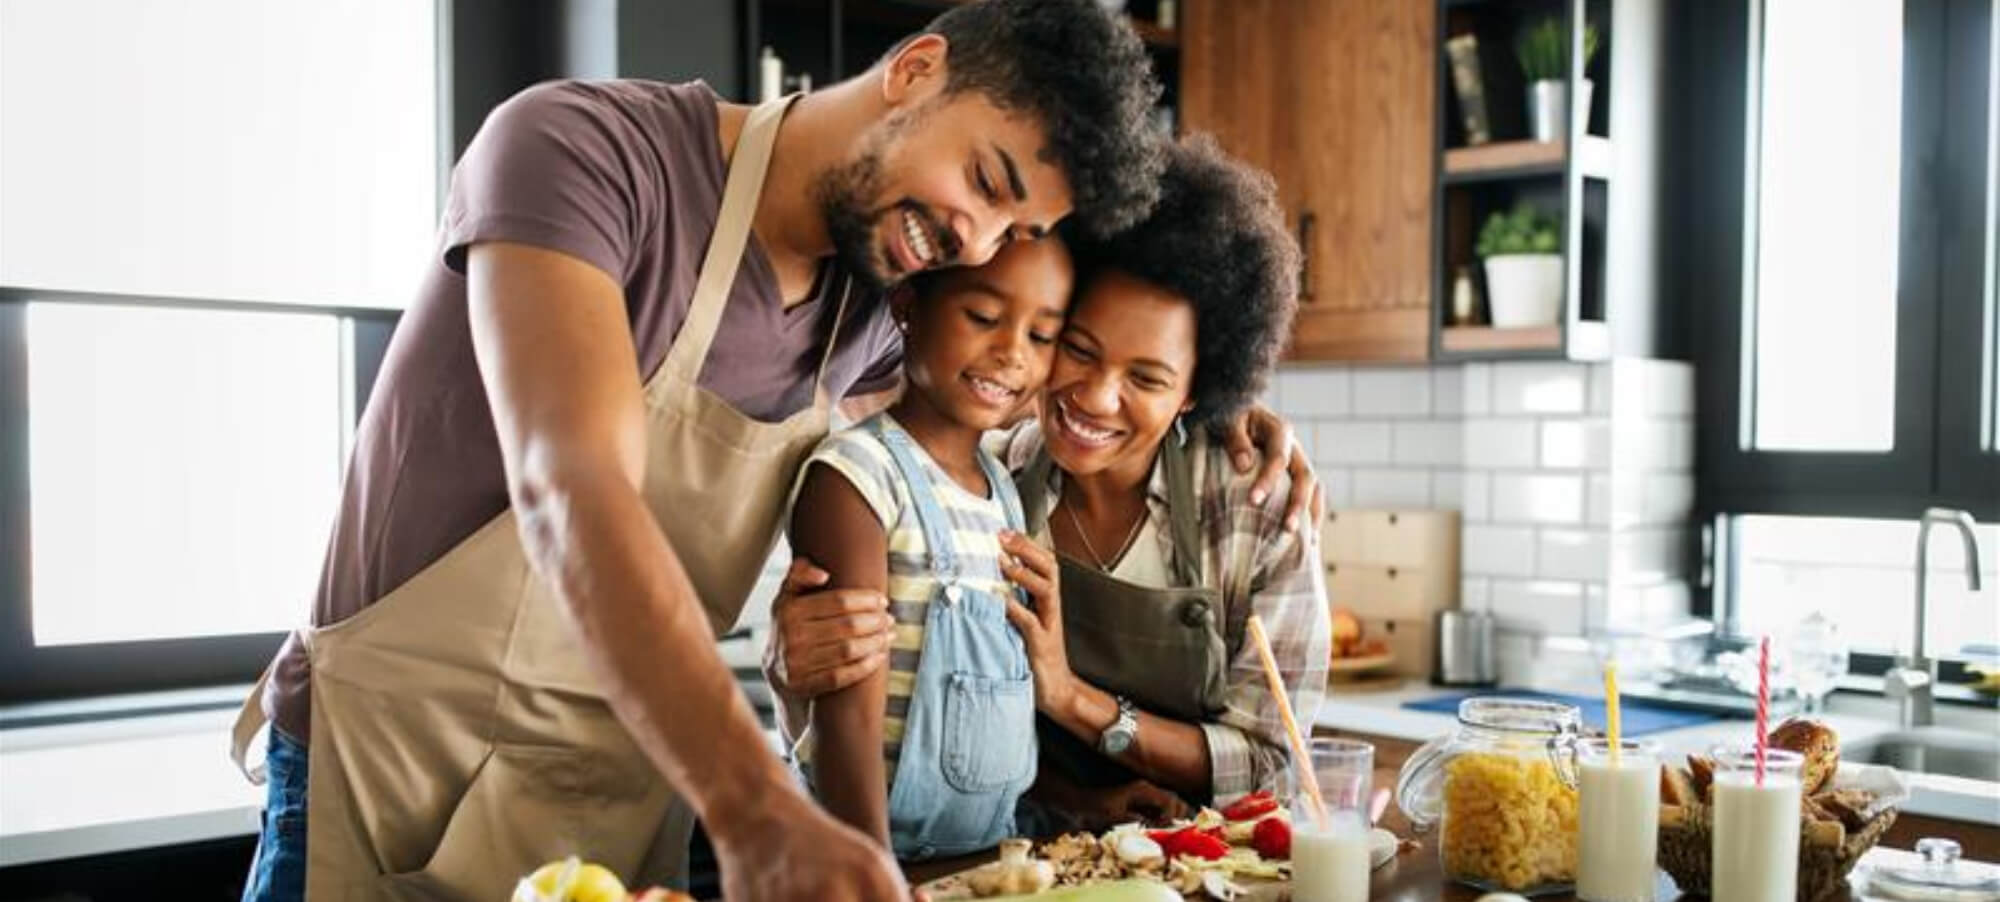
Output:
x=557 y=360
x=831 y=522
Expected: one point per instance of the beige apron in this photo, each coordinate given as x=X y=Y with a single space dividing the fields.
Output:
x=457 y=739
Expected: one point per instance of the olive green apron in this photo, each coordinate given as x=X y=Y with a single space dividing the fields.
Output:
x=458 y=739
x=1163 y=648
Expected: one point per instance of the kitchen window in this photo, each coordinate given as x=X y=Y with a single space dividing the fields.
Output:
x=1845 y=326
x=213 y=213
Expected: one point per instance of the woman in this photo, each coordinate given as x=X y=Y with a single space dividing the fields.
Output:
x=1160 y=555
x=1147 y=692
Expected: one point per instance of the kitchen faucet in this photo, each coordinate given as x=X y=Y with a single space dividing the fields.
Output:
x=1911 y=682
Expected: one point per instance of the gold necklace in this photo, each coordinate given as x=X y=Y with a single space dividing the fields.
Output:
x=1083 y=534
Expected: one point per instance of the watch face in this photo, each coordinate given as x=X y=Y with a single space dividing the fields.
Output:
x=1117 y=741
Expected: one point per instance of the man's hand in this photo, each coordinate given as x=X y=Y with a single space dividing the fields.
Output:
x=825 y=639
x=791 y=851
x=1261 y=430
x=1138 y=800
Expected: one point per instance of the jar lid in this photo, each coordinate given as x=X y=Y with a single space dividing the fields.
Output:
x=1939 y=877
x=1519 y=715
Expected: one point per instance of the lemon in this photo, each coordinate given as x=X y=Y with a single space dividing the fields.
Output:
x=570 y=880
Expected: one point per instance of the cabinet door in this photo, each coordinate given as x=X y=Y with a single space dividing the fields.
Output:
x=1336 y=99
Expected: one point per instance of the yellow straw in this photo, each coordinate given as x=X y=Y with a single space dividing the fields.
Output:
x=1301 y=754
x=1611 y=707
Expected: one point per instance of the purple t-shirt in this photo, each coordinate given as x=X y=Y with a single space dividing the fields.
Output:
x=627 y=176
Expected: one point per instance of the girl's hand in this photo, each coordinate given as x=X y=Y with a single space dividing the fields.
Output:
x=1034 y=568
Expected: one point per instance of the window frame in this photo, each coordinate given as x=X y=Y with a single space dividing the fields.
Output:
x=1945 y=295
x=30 y=672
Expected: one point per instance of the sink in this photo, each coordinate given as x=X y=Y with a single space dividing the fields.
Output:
x=1934 y=750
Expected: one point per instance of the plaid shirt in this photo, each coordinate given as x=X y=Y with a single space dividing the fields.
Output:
x=1247 y=748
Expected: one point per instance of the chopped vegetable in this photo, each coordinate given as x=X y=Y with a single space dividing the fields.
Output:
x=1252 y=806
x=1273 y=838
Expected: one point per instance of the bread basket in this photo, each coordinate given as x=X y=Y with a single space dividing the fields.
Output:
x=1828 y=846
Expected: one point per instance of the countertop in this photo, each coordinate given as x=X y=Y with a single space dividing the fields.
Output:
x=1857 y=720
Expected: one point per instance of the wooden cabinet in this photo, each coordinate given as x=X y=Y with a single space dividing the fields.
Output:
x=1336 y=99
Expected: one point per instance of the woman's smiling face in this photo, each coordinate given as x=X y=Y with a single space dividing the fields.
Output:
x=1123 y=371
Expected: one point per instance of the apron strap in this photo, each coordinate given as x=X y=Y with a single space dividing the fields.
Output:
x=931 y=517
x=249 y=721
x=1183 y=513
x=740 y=192
x=1034 y=487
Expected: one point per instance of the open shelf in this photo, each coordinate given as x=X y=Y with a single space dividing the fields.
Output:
x=1481 y=339
x=1514 y=159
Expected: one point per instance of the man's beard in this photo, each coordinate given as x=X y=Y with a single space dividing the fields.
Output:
x=844 y=194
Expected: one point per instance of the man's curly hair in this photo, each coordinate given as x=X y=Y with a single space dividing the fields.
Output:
x=1218 y=240
x=1085 y=73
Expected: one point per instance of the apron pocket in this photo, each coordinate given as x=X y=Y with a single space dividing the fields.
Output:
x=528 y=805
x=989 y=742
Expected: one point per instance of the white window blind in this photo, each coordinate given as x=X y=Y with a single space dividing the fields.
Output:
x=261 y=150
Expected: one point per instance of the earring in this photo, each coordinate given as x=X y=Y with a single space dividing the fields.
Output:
x=1180 y=430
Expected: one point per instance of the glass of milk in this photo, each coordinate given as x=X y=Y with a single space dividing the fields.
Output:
x=1756 y=833
x=1330 y=859
x=1618 y=820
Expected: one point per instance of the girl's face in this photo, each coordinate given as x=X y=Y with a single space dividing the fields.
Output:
x=979 y=341
x=1122 y=373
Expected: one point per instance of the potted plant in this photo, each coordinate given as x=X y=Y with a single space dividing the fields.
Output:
x=1524 y=269
x=1543 y=49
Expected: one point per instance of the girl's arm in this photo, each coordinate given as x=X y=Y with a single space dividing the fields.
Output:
x=833 y=525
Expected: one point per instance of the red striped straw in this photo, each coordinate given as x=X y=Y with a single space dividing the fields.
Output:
x=1763 y=703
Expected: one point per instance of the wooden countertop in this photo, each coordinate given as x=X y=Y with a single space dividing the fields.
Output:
x=1417 y=875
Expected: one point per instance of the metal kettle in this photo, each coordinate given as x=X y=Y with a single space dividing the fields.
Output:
x=1465 y=654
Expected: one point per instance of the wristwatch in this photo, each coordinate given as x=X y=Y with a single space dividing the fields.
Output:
x=1118 y=737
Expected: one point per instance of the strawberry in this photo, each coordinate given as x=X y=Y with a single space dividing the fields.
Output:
x=1273 y=838
x=1252 y=806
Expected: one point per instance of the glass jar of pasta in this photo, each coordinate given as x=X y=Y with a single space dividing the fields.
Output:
x=1501 y=788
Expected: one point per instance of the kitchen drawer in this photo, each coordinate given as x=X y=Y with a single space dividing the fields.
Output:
x=1371 y=590
x=1426 y=539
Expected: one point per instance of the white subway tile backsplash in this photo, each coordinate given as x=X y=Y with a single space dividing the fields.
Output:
x=1432 y=442
x=1477 y=489
x=1666 y=497
x=1448 y=490
x=1653 y=388
x=1500 y=443
x=1404 y=489
x=1474 y=592
x=1576 y=443
x=1601 y=379
x=1315 y=391
x=1649 y=444
x=1542 y=606
x=1478 y=384
x=1498 y=550
x=1597 y=500
x=1338 y=483
x=1648 y=555
x=1447 y=391
x=1392 y=391
x=1539 y=387
x=1352 y=442
x=1582 y=554
x=1536 y=498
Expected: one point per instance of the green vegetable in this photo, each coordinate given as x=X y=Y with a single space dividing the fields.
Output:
x=1525 y=230
x=1543 y=49
x=1121 y=891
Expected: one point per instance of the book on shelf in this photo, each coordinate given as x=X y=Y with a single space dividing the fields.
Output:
x=1463 y=52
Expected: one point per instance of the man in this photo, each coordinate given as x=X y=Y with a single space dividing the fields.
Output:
x=572 y=464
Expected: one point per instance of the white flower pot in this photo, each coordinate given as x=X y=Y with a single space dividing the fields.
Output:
x=1524 y=289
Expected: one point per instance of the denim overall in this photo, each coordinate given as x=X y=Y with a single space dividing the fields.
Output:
x=968 y=748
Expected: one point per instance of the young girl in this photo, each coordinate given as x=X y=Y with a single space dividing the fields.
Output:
x=930 y=754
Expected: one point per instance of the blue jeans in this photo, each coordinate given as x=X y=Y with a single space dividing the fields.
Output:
x=278 y=871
